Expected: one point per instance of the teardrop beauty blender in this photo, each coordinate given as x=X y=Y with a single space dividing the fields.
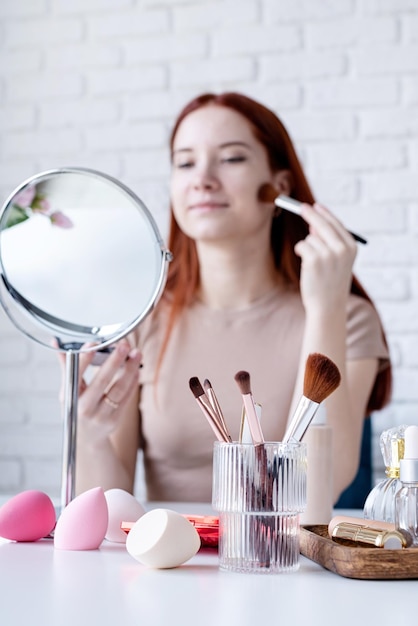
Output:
x=28 y=516
x=121 y=505
x=82 y=524
x=163 y=539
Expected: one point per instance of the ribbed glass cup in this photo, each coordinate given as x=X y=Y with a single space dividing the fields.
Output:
x=259 y=492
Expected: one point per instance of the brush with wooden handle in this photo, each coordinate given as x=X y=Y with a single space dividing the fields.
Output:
x=322 y=377
x=267 y=193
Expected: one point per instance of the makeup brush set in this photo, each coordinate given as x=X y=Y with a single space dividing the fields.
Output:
x=259 y=487
x=321 y=378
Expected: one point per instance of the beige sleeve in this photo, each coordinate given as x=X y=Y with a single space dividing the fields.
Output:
x=365 y=338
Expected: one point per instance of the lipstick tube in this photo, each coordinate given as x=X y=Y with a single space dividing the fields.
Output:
x=379 y=538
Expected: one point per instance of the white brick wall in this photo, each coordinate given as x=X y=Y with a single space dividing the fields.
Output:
x=97 y=83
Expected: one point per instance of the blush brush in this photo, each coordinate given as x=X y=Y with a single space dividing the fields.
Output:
x=216 y=424
x=267 y=193
x=321 y=378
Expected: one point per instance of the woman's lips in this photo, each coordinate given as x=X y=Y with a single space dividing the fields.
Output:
x=207 y=206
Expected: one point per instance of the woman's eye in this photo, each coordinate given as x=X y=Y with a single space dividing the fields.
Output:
x=234 y=159
x=183 y=164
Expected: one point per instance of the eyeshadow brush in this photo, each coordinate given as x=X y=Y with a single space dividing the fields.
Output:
x=201 y=398
x=267 y=193
x=322 y=377
x=242 y=379
x=244 y=431
x=210 y=392
x=263 y=493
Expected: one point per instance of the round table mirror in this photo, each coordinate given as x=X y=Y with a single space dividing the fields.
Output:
x=81 y=260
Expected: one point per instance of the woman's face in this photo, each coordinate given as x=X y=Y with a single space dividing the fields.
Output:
x=218 y=167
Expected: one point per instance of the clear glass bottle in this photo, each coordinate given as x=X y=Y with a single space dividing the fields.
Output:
x=380 y=503
x=406 y=501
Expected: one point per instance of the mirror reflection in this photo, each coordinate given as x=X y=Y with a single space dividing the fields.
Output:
x=81 y=257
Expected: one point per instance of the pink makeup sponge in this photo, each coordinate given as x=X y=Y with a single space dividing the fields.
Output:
x=83 y=523
x=28 y=516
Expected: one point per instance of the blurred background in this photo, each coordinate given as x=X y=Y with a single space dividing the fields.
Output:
x=97 y=83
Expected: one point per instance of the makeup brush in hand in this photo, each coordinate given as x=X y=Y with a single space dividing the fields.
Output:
x=242 y=379
x=322 y=377
x=267 y=193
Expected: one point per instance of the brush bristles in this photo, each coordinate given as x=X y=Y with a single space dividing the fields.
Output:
x=207 y=384
x=322 y=377
x=243 y=381
x=196 y=387
x=267 y=193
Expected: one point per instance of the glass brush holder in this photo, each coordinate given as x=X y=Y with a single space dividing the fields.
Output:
x=380 y=503
x=259 y=493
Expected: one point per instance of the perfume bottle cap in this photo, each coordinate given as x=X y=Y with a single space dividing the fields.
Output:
x=392 y=448
x=409 y=464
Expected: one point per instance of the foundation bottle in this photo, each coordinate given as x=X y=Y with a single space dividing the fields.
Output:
x=319 y=478
x=380 y=503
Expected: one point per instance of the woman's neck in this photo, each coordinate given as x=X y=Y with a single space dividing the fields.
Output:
x=235 y=277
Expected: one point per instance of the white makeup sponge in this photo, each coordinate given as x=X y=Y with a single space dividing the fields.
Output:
x=162 y=539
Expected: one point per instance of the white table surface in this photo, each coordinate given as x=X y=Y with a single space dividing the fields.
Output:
x=43 y=586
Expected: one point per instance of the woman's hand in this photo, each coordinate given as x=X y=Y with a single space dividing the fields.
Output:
x=327 y=255
x=102 y=402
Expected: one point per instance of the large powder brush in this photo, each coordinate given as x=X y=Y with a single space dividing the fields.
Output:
x=267 y=193
x=322 y=377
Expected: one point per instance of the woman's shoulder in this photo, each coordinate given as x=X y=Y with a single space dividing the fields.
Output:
x=365 y=336
x=361 y=310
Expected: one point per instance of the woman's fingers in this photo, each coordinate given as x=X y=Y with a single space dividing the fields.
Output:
x=325 y=225
x=113 y=382
x=121 y=367
x=119 y=390
x=327 y=256
x=106 y=372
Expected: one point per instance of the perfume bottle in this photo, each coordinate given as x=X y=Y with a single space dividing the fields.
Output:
x=380 y=503
x=406 y=501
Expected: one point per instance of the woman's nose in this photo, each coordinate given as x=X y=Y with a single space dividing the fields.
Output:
x=205 y=177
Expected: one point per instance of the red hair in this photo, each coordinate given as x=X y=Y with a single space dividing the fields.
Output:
x=287 y=229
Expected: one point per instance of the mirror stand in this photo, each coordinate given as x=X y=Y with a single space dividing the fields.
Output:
x=70 y=427
x=92 y=230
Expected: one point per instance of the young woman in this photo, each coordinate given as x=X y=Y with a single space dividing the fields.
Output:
x=250 y=288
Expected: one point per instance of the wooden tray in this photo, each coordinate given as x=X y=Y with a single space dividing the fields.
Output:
x=357 y=561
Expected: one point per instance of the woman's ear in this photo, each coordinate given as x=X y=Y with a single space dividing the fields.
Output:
x=283 y=182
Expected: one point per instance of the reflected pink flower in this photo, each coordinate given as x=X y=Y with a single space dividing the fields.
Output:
x=42 y=205
x=59 y=219
x=25 y=197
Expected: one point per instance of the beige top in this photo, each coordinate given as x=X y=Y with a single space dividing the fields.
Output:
x=264 y=339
